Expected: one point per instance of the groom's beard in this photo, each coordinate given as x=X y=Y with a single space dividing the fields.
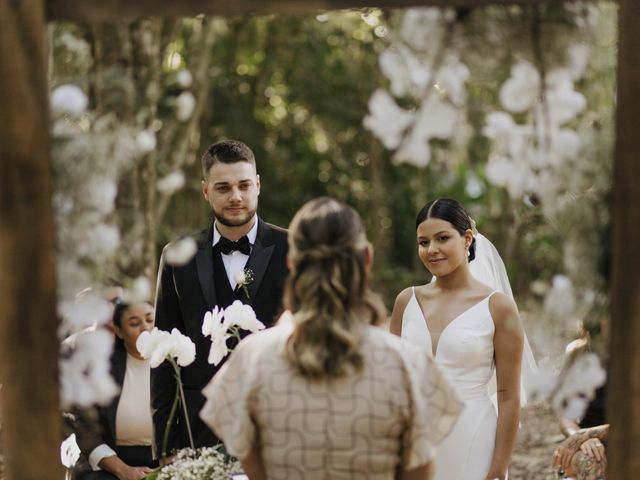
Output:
x=235 y=221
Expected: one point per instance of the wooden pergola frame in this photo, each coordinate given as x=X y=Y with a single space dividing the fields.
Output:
x=28 y=322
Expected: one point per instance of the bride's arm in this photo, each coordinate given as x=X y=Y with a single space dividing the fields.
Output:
x=508 y=343
x=402 y=299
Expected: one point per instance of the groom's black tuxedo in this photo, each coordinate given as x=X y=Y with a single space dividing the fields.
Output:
x=183 y=296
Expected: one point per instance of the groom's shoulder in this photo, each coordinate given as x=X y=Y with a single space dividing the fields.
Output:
x=278 y=234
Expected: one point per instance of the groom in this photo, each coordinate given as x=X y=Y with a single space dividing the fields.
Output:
x=238 y=241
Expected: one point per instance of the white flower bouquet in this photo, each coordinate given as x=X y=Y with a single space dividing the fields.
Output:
x=208 y=463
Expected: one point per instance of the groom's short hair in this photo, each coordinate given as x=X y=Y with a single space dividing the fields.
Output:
x=226 y=151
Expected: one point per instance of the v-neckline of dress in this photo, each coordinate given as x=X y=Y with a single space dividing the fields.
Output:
x=434 y=351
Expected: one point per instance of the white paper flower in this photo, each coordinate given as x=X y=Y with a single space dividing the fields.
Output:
x=171 y=183
x=146 y=141
x=87 y=310
x=184 y=78
x=387 y=121
x=69 y=99
x=102 y=194
x=563 y=105
x=243 y=316
x=69 y=451
x=566 y=143
x=85 y=377
x=106 y=238
x=436 y=119
x=560 y=302
x=500 y=127
x=578 y=59
x=414 y=150
x=408 y=75
x=422 y=27
x=519 y=92
x=180 y=252
x=185 y=104
x=140 y=290
x=452 y=80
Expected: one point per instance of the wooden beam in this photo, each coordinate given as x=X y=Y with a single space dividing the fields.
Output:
x=624 y=381
x=118 y=10
x=28 y=340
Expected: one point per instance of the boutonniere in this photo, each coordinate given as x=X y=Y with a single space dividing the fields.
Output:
x=243 y=279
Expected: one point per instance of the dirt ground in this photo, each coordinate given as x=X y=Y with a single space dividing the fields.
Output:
x=537 y=439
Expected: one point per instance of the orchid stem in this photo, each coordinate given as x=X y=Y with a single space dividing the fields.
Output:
x=172 y=412
x=184 y=407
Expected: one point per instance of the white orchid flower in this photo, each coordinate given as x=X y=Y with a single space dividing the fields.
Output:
x=243 y=316
x=183 y=349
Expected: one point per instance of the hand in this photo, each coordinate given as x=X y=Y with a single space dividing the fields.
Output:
x=593 y=448
x=566 y=450
x=496 y=475
x=133 y=473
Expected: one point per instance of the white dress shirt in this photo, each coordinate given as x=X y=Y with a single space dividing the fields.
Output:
x=235 y=261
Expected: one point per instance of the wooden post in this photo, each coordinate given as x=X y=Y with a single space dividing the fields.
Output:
x=624 y=380
x=28 y=341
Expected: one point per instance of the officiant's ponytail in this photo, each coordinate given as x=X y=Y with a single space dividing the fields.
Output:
x=327 y=289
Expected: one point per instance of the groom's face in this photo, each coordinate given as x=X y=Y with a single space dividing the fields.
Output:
x=232 y=190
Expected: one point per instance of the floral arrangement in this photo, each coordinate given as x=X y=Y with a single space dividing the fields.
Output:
x=222 y=324
x=208 y=463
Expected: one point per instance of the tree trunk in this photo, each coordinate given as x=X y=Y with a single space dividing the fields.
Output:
x=28 y=324
x=624 y=381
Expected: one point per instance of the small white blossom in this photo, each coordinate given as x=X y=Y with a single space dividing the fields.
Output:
x=452 y=80
x=146 y=141
x=69 y=451
x=69 y=99
x=185 y=105
x=171 y=183
x=180 y=252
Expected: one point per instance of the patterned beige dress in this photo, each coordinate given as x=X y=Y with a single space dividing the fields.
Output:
x=389 y=417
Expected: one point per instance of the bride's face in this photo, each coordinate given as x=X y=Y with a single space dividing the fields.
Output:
x=441 y=247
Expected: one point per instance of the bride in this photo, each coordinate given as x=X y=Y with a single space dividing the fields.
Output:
x=474 y=333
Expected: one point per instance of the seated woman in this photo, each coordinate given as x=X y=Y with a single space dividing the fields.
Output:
x=121 y=447
x=326 y=394
x=582 y=456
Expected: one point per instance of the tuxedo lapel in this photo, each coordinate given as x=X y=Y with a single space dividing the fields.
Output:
x=204 y=265
x=259 y=260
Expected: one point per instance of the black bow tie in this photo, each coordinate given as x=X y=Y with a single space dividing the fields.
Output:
x=227 y=246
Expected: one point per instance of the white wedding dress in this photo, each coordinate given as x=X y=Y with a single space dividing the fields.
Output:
x=465 y=354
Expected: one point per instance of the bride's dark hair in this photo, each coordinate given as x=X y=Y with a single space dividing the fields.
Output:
x=453 y=212
x=327 y=290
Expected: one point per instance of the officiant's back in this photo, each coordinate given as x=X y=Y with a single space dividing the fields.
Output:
x=327 y=394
